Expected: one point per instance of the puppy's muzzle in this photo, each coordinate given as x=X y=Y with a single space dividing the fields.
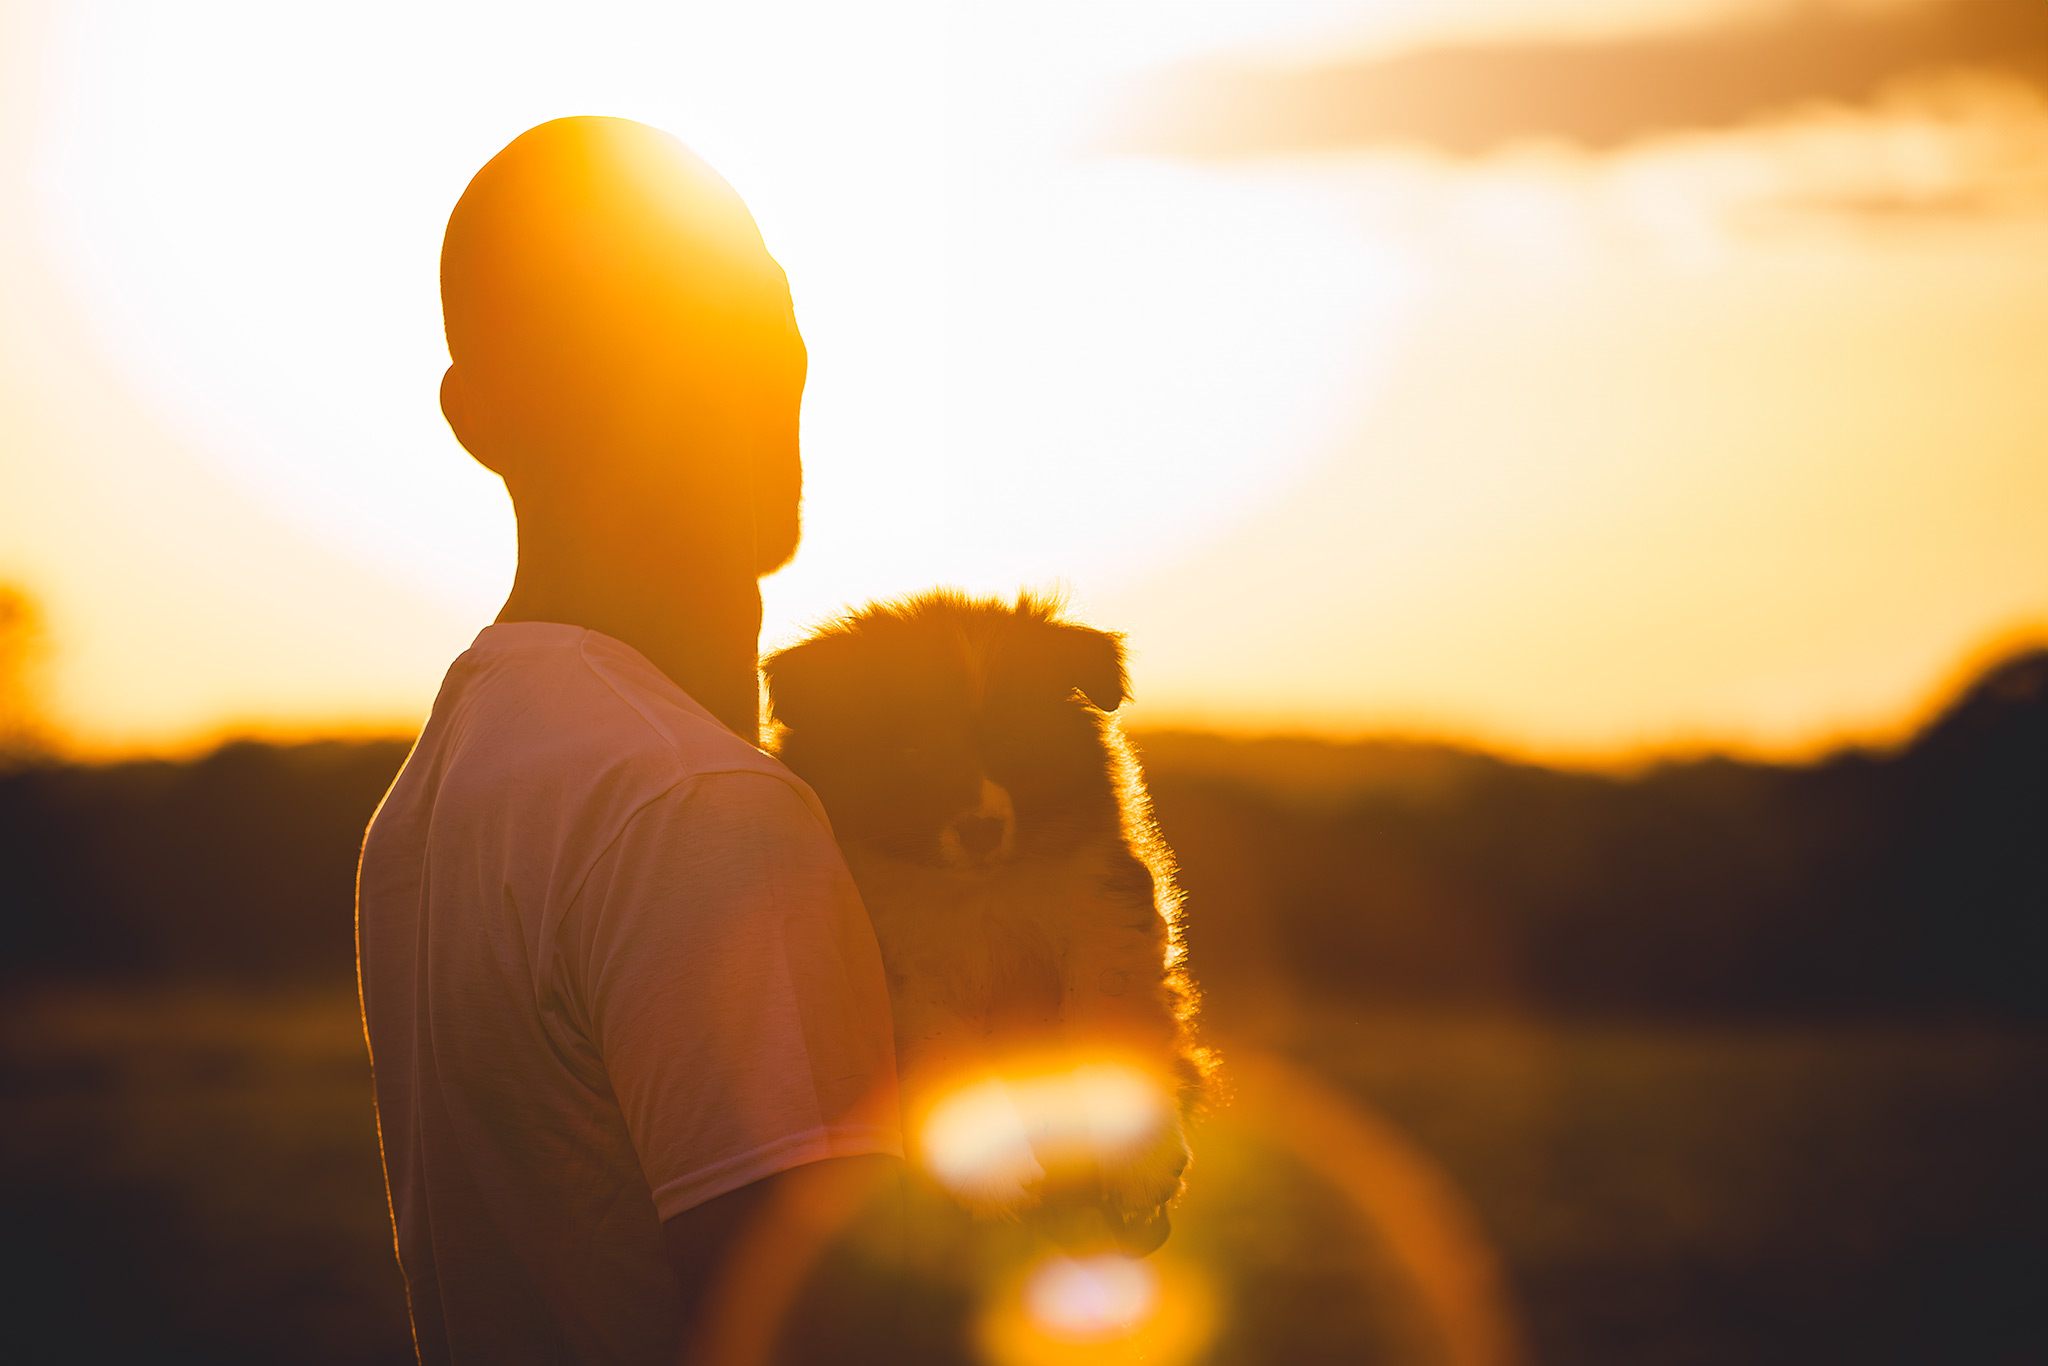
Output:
x=987 y=834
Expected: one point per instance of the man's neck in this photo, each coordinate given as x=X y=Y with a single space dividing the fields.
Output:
x=702 y=629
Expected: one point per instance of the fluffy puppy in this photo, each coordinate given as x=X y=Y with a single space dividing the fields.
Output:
x=997 y=827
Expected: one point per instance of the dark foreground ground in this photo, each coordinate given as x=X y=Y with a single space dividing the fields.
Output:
x=192 y=1176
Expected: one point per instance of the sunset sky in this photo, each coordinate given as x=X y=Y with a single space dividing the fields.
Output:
x=1575 y=376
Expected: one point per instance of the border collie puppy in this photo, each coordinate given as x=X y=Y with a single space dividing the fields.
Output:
x=998 y=829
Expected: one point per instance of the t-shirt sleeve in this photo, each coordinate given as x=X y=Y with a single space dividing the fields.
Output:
x=735 y=992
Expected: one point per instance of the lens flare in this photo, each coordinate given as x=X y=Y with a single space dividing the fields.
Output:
x=1091 y=1299
x=976 y=1146
x=1095 y=1311
x=1067 y=1310
x=989 y=1141
x=1116 y=1108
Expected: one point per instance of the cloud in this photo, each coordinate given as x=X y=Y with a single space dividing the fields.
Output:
x=1468 y=99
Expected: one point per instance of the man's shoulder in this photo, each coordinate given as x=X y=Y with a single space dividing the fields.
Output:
x=627 y=705
x=554 y=716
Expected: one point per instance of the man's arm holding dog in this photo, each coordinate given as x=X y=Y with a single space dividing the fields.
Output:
x=737 y=999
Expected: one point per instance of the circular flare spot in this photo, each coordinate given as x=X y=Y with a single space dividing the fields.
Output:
x=990 y=1141
x=1091 y=1300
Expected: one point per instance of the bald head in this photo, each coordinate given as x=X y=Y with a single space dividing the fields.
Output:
x=615 y=321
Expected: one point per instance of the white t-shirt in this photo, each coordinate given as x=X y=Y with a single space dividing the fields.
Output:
x=612 y=966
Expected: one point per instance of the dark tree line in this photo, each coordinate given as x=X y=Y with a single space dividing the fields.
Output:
x=1396 y=873
x=239 y=865
x=1865 y=883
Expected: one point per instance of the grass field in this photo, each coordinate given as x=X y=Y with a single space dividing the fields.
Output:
x=193 y=1176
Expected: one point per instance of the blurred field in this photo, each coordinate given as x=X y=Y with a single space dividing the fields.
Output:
x=192 y=1175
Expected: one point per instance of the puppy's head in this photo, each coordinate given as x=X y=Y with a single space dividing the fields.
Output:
x=953 y=731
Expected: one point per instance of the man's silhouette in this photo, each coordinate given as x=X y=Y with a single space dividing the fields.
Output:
x=622 y=1001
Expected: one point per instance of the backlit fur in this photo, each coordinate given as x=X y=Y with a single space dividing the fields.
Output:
x=996 y=822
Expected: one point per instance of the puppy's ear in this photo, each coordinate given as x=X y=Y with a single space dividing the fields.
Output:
x=1093 y=662
x=809 y=681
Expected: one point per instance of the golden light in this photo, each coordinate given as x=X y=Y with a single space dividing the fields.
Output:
x=1057 y=1309
x=1105 y=1108
x=991 y=1140
x=1571 y=453
x=1091 y=1299
x=942 y=250
x=975 y=1145
x=1099 y=1311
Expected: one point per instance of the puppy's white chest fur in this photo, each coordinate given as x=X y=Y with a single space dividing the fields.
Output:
x=990 y=944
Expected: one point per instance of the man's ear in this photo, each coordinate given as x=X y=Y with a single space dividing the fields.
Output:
x=1092 y=661
x=459 y=407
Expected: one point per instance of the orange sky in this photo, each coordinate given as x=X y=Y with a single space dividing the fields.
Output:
x=1728 y=430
